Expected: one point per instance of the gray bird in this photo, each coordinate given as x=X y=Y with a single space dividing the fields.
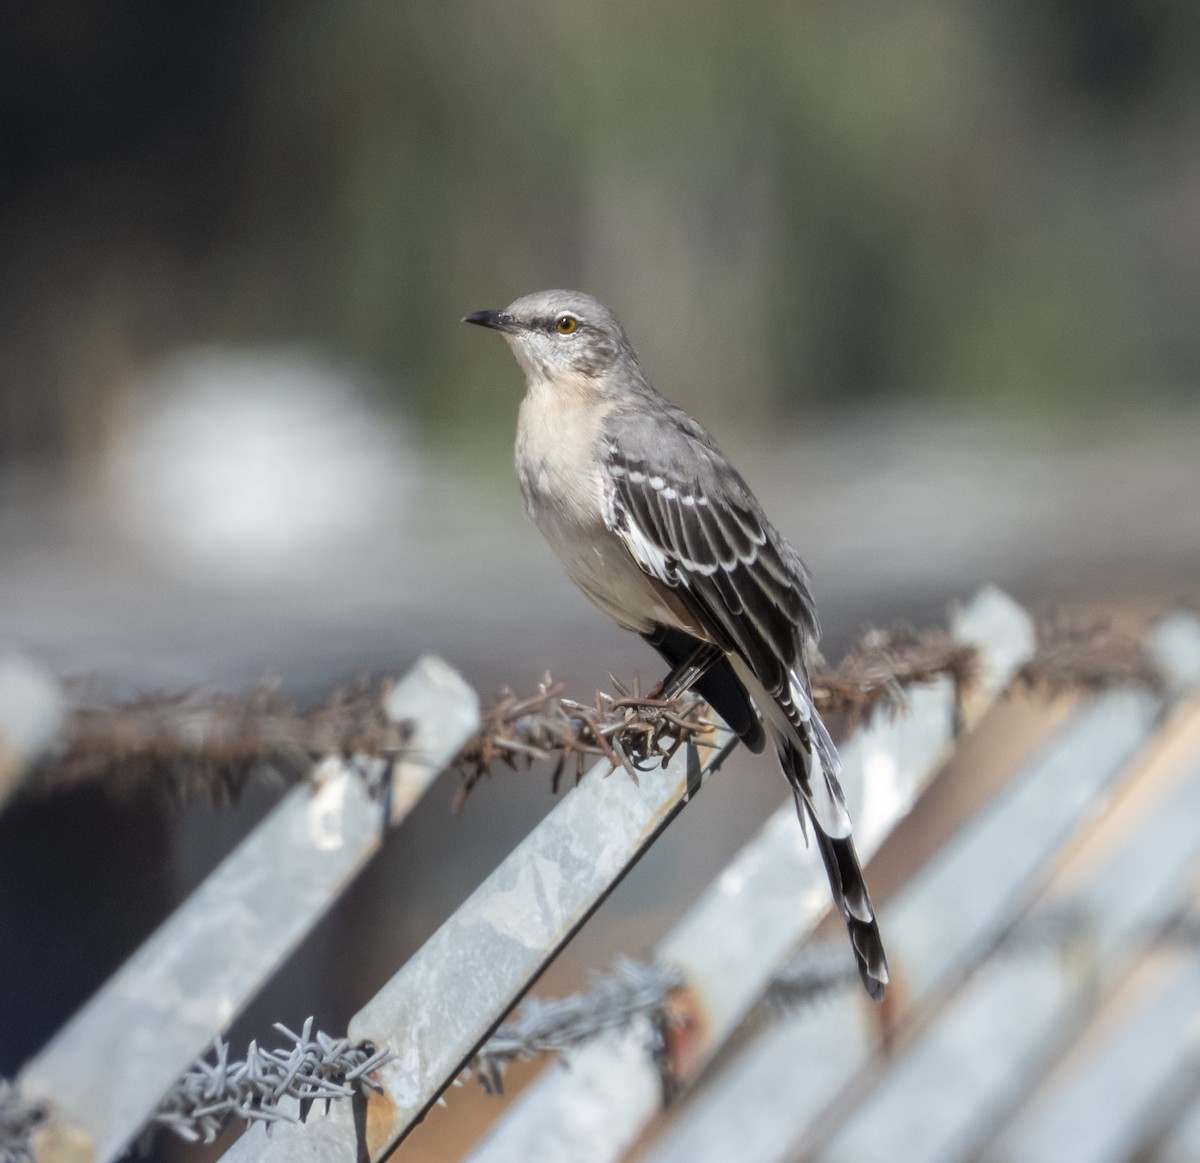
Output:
x=663 y=535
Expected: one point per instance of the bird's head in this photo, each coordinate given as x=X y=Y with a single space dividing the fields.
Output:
x=561 y=334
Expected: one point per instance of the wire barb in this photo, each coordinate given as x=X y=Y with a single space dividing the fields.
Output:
x=314 y=1068
x=1076 y=654
x=878 y=668
x=809 y=975
x=202 y=743
x=18 y=1121
x=634 y=995
x=628 y=730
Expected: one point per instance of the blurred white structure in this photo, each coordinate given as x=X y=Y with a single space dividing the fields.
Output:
x=240 y=466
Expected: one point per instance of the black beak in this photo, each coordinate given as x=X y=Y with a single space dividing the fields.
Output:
x=496 y=320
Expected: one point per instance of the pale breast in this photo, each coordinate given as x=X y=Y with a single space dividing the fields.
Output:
x=563 y=487
x=557 y=436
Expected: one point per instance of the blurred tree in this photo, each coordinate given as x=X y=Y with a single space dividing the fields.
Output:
x=787 y=201
x=121 y=133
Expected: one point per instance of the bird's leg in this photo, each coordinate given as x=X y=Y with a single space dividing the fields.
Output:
x=687 y=673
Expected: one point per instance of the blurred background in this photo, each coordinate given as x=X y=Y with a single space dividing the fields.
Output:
x=929 y=272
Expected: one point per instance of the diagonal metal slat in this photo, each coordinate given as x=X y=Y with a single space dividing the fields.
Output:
x=1135 y=1080
x=1021 y=1009
x=768 y=1099
x=1182 y=1143
x=104 y=1074
x=441 y=1006
x=736 y=937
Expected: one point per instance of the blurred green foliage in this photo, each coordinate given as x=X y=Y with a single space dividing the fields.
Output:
x=788 y=202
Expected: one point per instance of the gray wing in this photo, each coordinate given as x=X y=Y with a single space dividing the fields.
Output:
x=690 y=521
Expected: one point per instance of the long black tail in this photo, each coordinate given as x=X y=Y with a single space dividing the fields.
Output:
x=721 y=688
x=846 y=880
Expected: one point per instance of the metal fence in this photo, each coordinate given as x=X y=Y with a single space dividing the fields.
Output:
x=1004 y=954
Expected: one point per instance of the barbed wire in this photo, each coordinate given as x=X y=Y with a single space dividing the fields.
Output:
x=639 y=990
x=809 y=975
x=877 y=668
x=314 y=1068
x=635 y=992
x=641 y=993
x=1094 y=654
x=18 y=1121
x=628 y=730
x=202 y=743
x=198 y=742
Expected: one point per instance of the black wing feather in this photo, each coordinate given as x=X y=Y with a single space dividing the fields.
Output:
x=702 y=536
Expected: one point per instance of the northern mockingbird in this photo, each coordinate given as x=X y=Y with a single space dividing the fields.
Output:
x=663 y=535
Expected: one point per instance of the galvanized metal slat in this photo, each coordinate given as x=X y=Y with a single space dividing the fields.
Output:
x=104 y=1074
x=1123 y=1095
x=985 y=873
x=1182 y=1144
x=1019 y=1013
x=442 y=1005
x=1102 y=1111
x=1015 y=1018
x=736 y=937
x=962 y=900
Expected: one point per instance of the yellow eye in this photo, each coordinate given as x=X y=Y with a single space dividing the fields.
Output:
x=566 y=324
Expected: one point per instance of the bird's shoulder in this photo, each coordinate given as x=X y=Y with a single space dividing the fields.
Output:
x=657 y=437
x=689 y=518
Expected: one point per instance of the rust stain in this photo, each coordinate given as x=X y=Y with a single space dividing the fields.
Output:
x=889 y=1013
x=382 y=1116
x=60 y=1144
x=687 y=1035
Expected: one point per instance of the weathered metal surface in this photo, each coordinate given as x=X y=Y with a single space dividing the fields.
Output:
x=733 y=941
x=982 y=876
x=1131 y=1084
x=1024 y=1008
x=1123 y=1092
x=972 y=1067
x=442 y=1005
x=1182 y=1143
x=105 y=1072
x=1020 y=1012
x=948 y=916
x=1175 y=644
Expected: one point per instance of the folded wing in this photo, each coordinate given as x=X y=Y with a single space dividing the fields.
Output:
x=690 y=521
